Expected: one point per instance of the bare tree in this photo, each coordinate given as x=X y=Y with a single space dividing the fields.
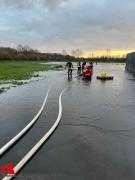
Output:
x=27 y=48
x=79 y=53
x=64 y=52
x=73 y=53
x=76 y=53
x=19 y=48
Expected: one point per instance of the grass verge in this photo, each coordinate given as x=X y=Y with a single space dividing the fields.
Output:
x=21 y=70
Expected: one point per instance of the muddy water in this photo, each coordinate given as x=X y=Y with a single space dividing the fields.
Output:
x=96 y=137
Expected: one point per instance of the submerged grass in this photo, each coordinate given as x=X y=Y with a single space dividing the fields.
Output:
x=19 y=83
x=21 y=70
x=2 y=90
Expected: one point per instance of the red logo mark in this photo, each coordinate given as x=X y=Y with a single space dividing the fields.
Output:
x=8 y=169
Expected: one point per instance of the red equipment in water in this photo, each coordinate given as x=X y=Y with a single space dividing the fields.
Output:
x=88 y=72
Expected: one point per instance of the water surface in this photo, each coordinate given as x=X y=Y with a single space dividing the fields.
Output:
x=96 y=136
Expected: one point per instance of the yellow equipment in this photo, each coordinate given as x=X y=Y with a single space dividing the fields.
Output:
x=104 y=76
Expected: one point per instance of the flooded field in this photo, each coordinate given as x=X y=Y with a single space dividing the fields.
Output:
x=96 y=137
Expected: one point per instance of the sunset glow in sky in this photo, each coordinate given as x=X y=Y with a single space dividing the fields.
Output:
x=104 y=53
x=54 y=25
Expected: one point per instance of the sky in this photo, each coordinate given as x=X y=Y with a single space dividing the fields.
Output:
x=53 y=25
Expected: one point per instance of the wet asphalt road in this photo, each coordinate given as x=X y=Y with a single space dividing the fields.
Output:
x=96 y=137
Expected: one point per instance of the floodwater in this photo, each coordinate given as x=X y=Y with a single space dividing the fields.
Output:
x=96 y=137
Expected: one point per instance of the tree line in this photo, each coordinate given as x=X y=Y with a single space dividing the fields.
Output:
x=26 y=53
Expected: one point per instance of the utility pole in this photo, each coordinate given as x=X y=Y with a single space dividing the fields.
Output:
x=108 y=53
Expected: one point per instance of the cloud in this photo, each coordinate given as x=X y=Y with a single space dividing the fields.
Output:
x=15 y=4
x=52 y=25
x=25 y=4
x=53 y=4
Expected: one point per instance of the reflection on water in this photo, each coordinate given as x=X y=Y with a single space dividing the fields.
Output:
x=87 y=82
x=70 y=77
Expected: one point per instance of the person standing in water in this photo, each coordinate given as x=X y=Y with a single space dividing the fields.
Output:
x=79 y=67
x=83 y=65
x=69 y=65
x=91 y=64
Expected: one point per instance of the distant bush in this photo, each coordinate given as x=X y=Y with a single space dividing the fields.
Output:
x=29 y=54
